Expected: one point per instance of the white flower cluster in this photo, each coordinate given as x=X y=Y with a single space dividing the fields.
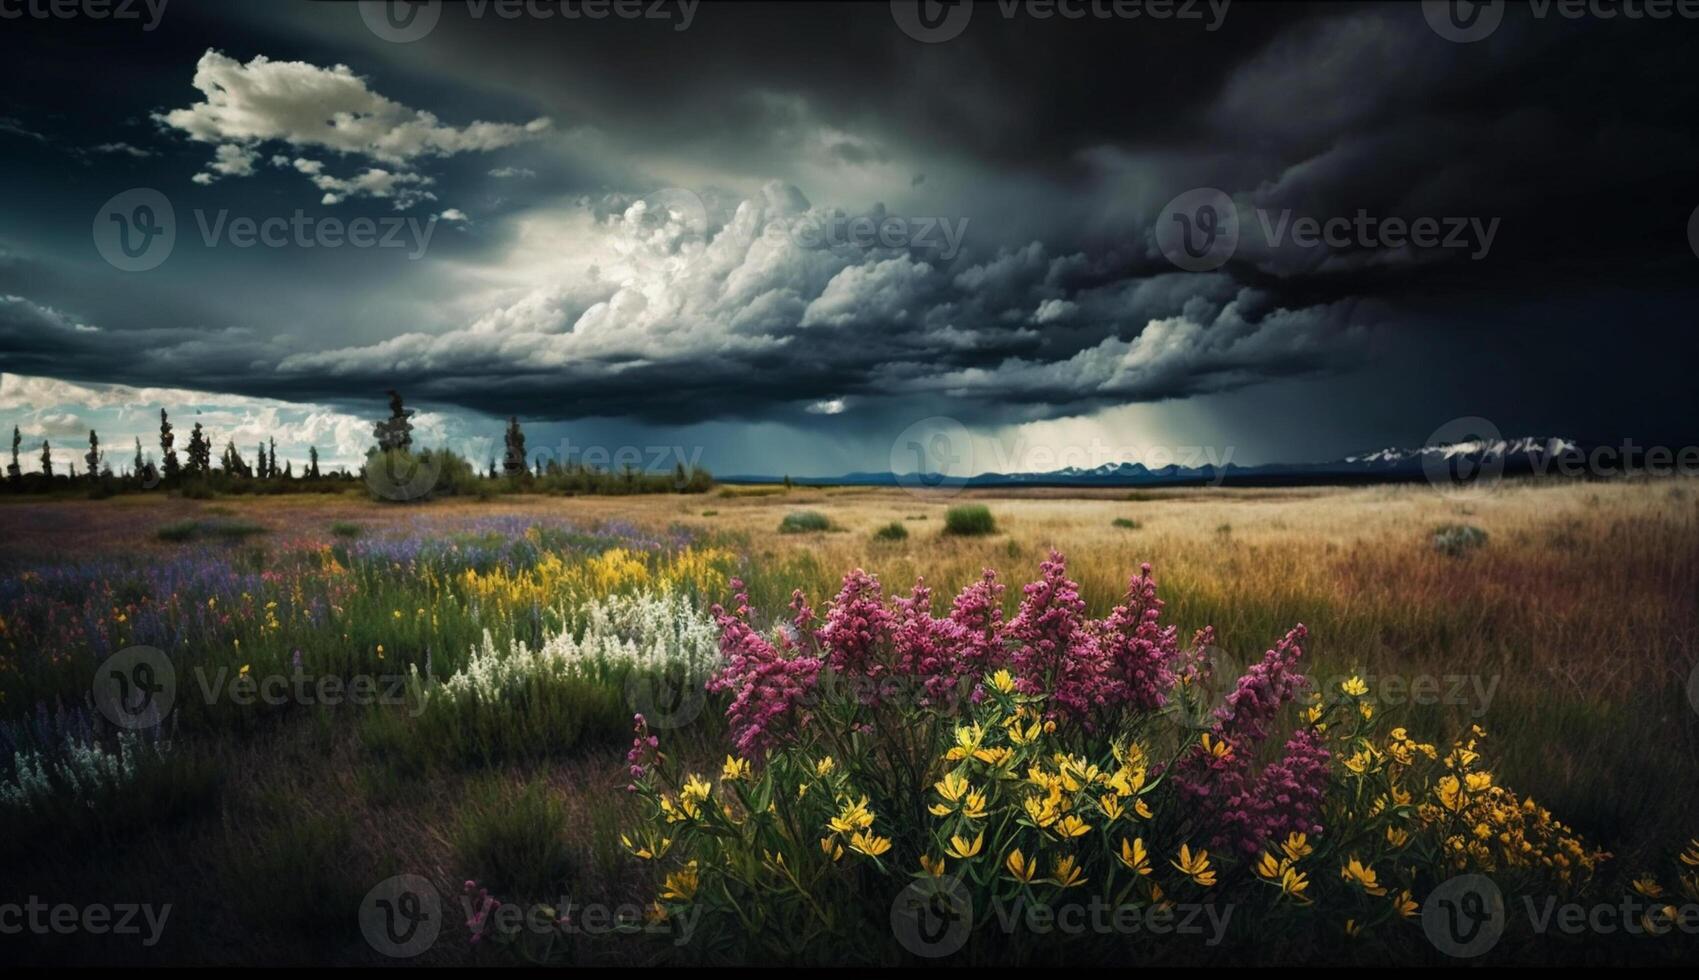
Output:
x=87 y=770
x=648 y=631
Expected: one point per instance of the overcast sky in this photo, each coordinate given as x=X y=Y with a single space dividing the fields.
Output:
x=777 y=237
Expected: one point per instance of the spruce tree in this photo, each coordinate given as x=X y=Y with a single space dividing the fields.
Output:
x=313 y=462
x=93 y=455
x=46 y=460
x=14 y=472
x=168 y=455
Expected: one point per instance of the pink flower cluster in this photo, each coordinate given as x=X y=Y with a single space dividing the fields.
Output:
x=1091 y=669
x=1249 y=807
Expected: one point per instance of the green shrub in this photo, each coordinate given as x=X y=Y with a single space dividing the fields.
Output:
x=1126 y=523
x=188 y=530
x=804 y=522
x=894 y=531
x=346 y=529
x=297 y=874
x=513 y=844
x=969 y=520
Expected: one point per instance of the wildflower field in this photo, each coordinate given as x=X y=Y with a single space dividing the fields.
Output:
x=1186 y=726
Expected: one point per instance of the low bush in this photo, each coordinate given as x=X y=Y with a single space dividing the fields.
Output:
x=1125 y=523
x=969 y=520
x=804 y=522
x=894 y=531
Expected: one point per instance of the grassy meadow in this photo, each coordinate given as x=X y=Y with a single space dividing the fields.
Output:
x=1569 y=633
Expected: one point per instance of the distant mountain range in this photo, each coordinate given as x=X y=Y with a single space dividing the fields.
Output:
x=1452 y=461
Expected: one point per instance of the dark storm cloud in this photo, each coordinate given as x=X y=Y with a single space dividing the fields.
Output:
x=1563 y=151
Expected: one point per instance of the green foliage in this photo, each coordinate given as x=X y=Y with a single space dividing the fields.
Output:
x=1125 y=523
x=513 y=843
x=894 y=531
x=969 y=520
x=804 y=522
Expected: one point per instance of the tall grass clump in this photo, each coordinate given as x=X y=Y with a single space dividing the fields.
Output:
x=804 y=522
x=514 y=843
x=894 y=531
x=969 y=520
